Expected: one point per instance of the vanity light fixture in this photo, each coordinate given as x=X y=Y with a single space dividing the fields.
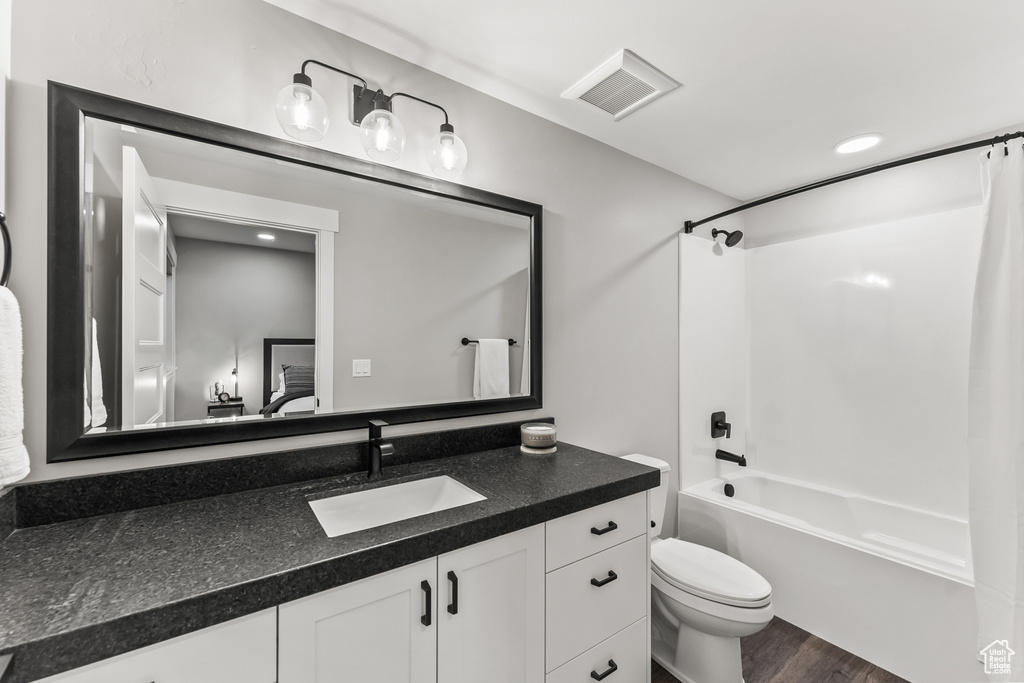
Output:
x=303 y=115
x=858 y=144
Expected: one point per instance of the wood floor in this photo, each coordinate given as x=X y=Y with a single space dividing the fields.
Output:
x=783 y=653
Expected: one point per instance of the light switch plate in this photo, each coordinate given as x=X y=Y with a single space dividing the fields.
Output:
x=361 y=367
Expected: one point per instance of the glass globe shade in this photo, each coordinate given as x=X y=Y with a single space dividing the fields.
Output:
x=302 y=112
x=382 y=135
x=448 y=154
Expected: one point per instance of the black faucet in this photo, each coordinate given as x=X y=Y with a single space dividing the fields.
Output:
x=740 y=460
x=376 y=449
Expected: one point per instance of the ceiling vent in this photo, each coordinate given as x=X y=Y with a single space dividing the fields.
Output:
x=622 y=85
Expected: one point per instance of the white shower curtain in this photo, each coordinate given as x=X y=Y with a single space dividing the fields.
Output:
x=996 y=413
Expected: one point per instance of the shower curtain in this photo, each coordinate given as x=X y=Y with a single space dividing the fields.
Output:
x=996 y=416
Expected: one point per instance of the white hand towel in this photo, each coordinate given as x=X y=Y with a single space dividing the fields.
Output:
x=97 y=409
x=86 y=409
x=14 y=463
x=490 y=374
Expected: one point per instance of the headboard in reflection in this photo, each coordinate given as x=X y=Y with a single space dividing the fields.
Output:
x=177 y=246
x=280 y=356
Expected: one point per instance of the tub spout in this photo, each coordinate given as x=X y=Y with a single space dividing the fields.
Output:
x=740 y=460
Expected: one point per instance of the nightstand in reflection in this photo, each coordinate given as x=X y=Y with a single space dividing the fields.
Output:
x=231 y=408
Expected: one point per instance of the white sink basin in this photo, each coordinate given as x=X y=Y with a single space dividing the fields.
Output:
x=374 y=507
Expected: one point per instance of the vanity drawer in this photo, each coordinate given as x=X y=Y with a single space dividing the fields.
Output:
x=240 y=651
x=581 y=614
x=590 y=531
x=625 y=652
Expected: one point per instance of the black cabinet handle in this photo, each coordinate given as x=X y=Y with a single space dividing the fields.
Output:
x=453 y=606
x=612 y=668
x=611 y=577
x=425 y=619
x=612 y=526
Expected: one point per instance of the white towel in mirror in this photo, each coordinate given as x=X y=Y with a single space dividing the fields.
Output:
x=97 y=408
x=490 y=374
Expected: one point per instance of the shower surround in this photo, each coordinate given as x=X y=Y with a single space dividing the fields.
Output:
x=841 y=360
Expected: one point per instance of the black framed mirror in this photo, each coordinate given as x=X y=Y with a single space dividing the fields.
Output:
x=386 y=271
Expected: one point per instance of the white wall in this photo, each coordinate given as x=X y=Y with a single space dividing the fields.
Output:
x=712 y=355
x=610 y=220
x=858 y=358
x=5 y=70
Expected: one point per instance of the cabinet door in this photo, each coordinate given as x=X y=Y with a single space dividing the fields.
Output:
x=491 y=622
x=238 y=651
x=379 y=629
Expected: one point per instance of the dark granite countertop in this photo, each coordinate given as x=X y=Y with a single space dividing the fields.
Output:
x=82 y=590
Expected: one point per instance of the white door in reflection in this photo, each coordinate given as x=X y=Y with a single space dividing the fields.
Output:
x=143 y=296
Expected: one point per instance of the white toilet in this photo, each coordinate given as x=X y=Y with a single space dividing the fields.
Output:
x=703 y=601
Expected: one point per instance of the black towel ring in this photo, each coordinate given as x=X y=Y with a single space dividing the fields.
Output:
x=7 y=251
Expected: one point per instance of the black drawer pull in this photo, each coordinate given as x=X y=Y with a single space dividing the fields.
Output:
x=426 y=618
x=612 y=668
x=612 y=526
x=453 y=606
x=611 y=577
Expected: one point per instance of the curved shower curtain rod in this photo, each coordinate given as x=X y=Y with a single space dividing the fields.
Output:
x=999 y=139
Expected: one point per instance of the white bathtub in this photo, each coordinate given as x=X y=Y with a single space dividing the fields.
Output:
x=890 y=583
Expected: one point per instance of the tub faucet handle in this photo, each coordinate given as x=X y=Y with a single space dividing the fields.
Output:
x=719 y=427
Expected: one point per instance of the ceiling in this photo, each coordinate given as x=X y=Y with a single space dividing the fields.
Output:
x=768 y=87
x=196 y=227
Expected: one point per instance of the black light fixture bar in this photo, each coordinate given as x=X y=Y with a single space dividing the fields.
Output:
x=420 y=99
x=999 y=139
x=365 y=101
x=332 y=68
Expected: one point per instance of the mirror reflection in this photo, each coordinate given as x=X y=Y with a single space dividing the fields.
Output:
x=225 y=286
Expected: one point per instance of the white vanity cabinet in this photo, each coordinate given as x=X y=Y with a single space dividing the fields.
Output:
x=243 y=650
x=472 y=615
x=382 y=628
x=598 y=592
x=491 y=625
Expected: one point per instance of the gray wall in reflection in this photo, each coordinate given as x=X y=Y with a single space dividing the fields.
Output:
x=228 y=298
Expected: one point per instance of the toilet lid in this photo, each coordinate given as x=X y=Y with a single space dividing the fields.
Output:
x=709 y=574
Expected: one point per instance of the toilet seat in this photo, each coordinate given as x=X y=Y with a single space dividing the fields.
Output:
x=709 y=574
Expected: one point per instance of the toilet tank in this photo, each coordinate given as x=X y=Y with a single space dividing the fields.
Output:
x=657 y=496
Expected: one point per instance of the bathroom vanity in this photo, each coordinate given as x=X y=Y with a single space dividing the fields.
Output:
x=221 y=571
x=545 y=579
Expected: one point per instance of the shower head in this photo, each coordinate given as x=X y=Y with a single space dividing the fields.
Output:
x=731 y=238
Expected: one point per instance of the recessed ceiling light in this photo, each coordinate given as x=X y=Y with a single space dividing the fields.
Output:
x=858 y=144
x=266 y=236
